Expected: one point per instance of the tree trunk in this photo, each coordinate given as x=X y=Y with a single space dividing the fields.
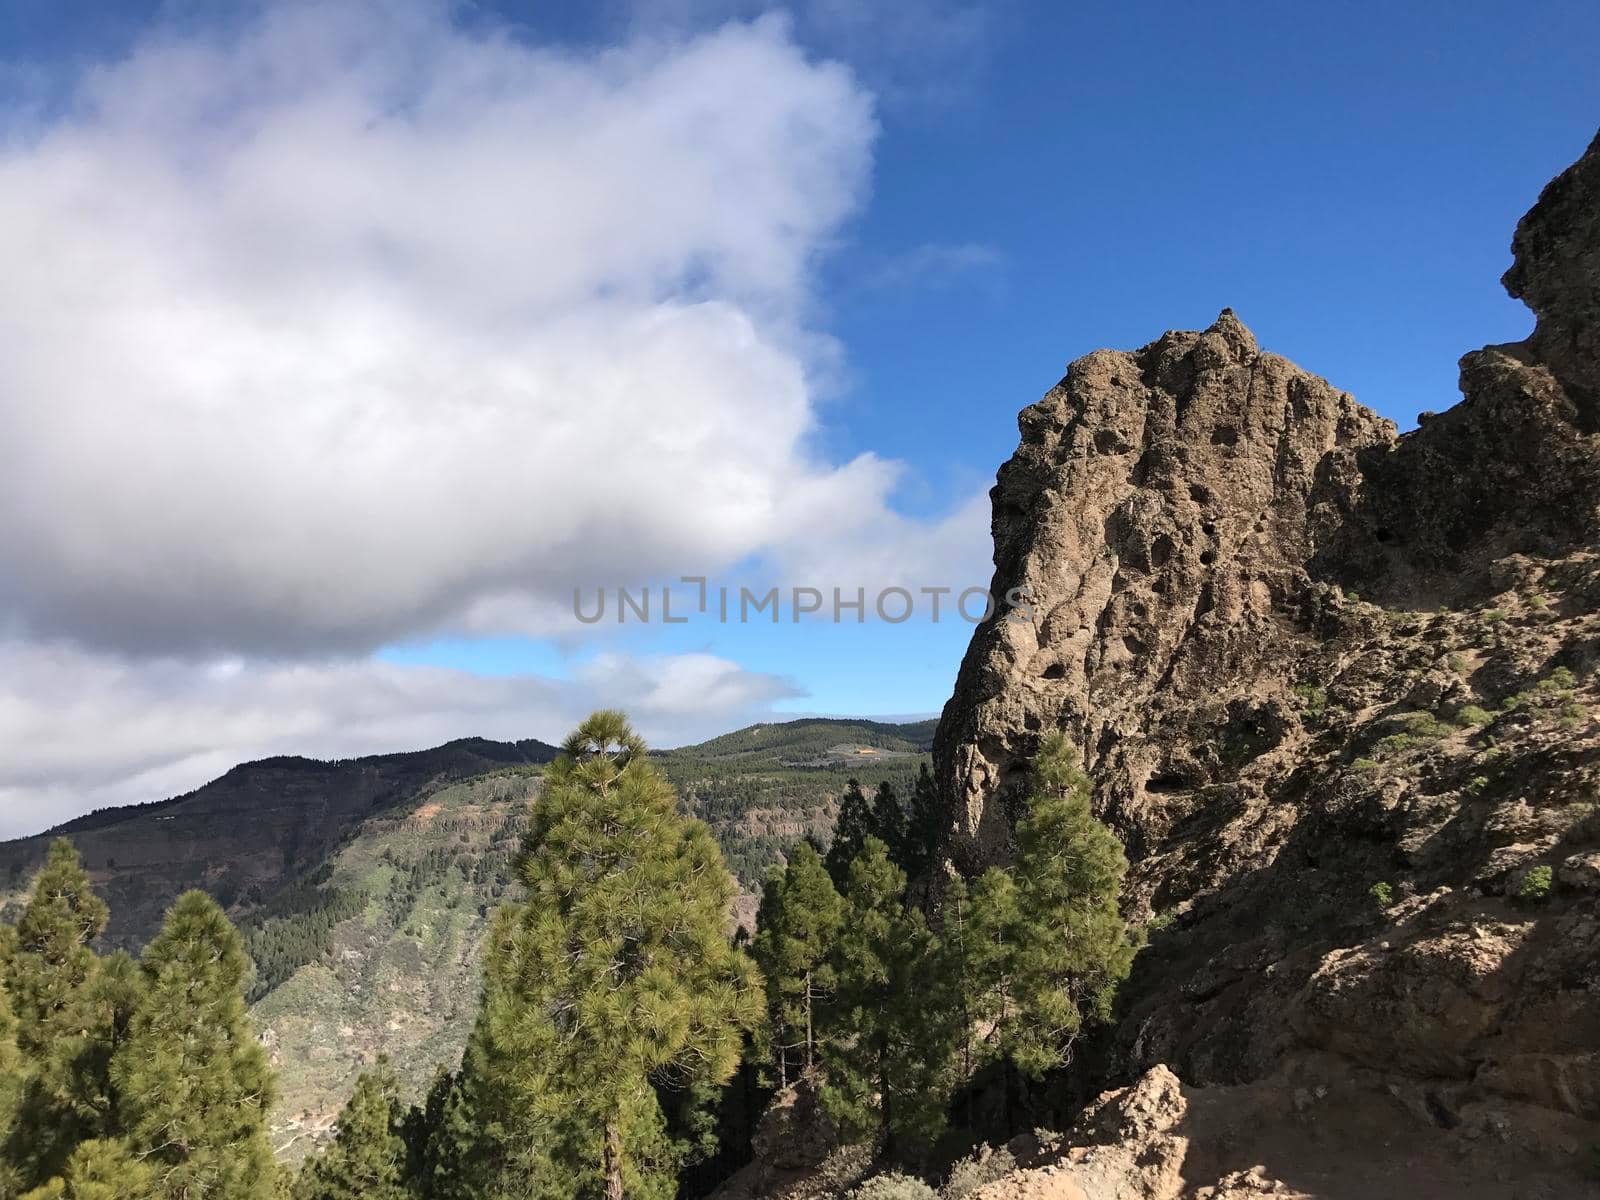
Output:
x=810 y=1039
x=613 y=1161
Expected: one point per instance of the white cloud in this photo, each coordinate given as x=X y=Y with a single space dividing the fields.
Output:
x=85 y=730
x=350 y=323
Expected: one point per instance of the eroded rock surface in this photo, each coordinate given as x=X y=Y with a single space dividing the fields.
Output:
x=1337 y=691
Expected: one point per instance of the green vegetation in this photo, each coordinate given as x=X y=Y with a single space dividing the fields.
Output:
x=1536 y=885
x=617 y=1001
x=1382 y=894
x=368 y=1159
x=893 y=1186
x=764 y=788
x=616 y=972
x=797 y=931
x=889 y=1037
x=1473 y=715
x=135 y=1082
x=193 y=1084
x=973 y=1172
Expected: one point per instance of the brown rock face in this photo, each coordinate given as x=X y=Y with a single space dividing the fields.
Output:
x=1158 y=517
x=1302 y=657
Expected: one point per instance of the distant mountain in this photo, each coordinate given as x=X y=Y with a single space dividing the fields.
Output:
x=247 y=837
x=763 y=788
x=363 y=886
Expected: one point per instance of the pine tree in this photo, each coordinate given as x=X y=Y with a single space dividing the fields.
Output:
x=100 y=1170
x=11 y=1088
x=53 y=977
x=194 y=1084
x=1036 y=952
x=890 y=1035
x=796 y=930
x=617 y=974
x=850 y=833
x=367 y=1160
x=922 y=826
x=1070 y=946
x=889 y=825
x=471 y=1141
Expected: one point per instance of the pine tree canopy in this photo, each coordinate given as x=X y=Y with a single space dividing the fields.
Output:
x=889 y=824
x=797 y=927
x=367 y=1160
x=617 y=973
x=65 y=1029
x=851 y=830
x=1047 y=943
x=100 y=1170
x=891 y=1032
x=52 y=962
x=194 y=1084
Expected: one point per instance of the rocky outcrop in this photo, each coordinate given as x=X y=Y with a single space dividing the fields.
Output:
x=1336 y=689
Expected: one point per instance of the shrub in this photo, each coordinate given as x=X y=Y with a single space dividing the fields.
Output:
x=1458 y=663
x=1382 y=894
x=1162 y=920
x=1492 y=616
x=894 y=1186
x=1477 y=784
x=1473 y=714
x=1573 y=714
x=1313 y=700
x=1537 y=601
x=1353 y=597
x=1395 y=743
x=1426 y=725
x=1536 y=885
x=972 y=1173
x=1365 y=764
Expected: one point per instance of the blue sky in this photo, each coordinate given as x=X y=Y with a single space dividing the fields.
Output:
x=1345 y=177
x=349 y=339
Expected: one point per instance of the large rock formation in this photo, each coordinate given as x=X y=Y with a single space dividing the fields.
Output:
x=1335 y=689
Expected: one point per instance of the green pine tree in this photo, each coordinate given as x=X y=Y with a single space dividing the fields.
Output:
x=367 y=1160
x=1036 y=952
x=923 y=826
x=54 y=980
x=617 y=974
x=100 y=1170
x=796 y=929
x=11 y=1089
x=194 y=1084
x=471 y=1140
x=889 y=825
x=851 y=830
x=890 y=1035
x=1069 y=945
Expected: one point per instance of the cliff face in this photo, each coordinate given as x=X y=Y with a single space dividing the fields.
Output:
x=1303 y=656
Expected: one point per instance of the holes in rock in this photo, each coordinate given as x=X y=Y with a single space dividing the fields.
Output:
x=1207 y=557
x=1107 y=442
x=1383 y=534
x=1166 y=782
x=1224 y=435
x=1208 y=529
x=1032 y=723
x=1199 y=493
x=1161 y=551
x=1055 y=671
